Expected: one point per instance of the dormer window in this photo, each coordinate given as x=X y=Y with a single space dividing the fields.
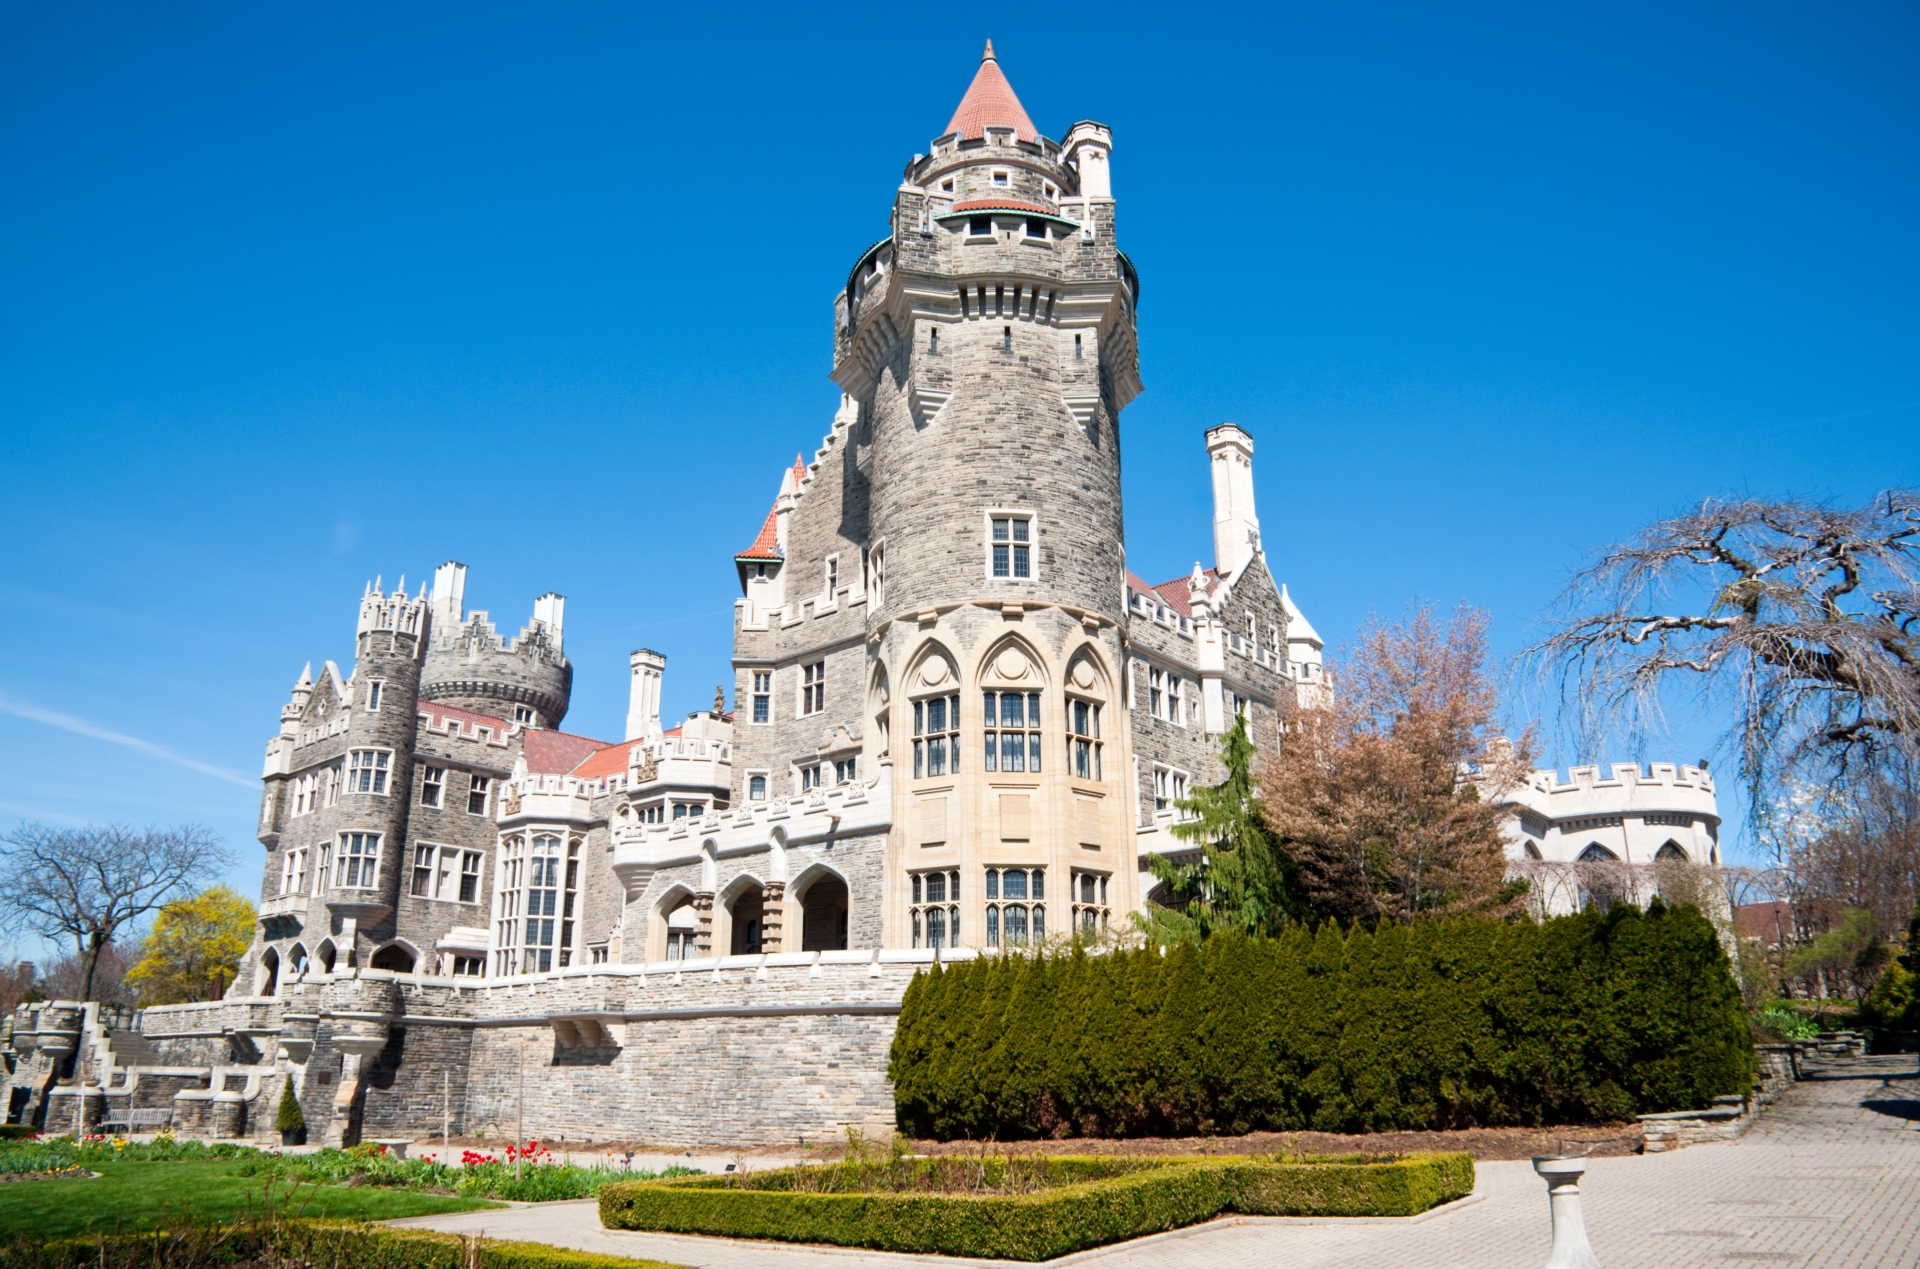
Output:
x=1001 y=178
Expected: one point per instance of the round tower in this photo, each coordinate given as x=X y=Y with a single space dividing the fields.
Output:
x=989 y=343
x=526 y=679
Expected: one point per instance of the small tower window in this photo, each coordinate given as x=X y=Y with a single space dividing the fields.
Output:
x=980 y=226
x=373 y=696
x=1036 y=228
x=933 y=340
x=1006 y=339
x=1049 y=189
x=1076 y=348
x=1012 y=546
x=1000 y=178
x=946 y=187
x=757 y=788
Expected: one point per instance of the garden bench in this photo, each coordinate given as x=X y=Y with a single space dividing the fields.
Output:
x=136 y=1120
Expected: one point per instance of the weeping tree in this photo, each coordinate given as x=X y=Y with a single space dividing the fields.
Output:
x=1241 y=880
x=1803 y=616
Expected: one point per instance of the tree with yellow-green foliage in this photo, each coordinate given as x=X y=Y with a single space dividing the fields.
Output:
x=195 y=948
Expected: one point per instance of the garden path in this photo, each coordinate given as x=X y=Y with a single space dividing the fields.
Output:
x=1828 y=1178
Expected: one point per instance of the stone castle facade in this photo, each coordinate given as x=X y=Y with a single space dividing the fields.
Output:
x=960 y=723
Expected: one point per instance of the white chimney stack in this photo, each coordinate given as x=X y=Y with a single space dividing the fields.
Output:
x=449 y=595
x=1236 y=529
x=643 y=705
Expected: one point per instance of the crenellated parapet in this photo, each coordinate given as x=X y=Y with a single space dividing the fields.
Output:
x=526 y=678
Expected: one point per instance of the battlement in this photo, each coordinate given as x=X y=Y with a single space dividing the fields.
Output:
x=393 y=613
x=471 y=665
x=1625 y=775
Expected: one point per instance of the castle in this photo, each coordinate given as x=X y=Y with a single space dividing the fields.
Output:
x=960 y=724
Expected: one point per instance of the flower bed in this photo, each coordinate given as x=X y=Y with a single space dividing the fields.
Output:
x=1032 y=1208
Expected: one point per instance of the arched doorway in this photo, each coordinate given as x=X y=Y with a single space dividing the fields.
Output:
x=326 y=957
x=823 y=915
x=746 y=919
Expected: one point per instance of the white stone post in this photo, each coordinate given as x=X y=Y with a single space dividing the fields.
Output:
x=1571 y=1250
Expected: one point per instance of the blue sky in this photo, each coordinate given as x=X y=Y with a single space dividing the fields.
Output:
x=291 y=296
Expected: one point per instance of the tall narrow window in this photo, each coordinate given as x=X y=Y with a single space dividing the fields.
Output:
x=1013 y=731
x=833 y=576
x=813 y=688
x=933 y=340
x=763 y=696
x=422 y=886
x=433 y=785
x=1006 y=339
x=936 y=736
x=546 y=904
x=1088 y=890
x=373 y=696
x=1083 y=728
x=935 y=911
x=1156 y=693
x=477 y=789
x=1076 y=348
x=756 y=788
x=293 y=871
x=470 y=876
x=367 y=770
x=357 y=865
x=1012 y=546
x=1014 y=913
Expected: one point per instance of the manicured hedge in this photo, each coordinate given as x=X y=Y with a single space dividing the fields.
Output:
x=1441 y=1024
x=1144 y=1197
x=312 y=1245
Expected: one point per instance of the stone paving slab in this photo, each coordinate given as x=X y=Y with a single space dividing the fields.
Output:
x=1828 y=1178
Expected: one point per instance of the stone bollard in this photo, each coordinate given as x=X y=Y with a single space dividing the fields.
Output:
x=1571 y=1250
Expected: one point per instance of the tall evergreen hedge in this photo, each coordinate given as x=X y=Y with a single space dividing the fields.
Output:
x=1443 y=1024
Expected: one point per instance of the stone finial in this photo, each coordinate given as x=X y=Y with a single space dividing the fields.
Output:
x=719 y=699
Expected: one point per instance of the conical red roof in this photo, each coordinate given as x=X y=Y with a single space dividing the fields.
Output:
x=991 y=103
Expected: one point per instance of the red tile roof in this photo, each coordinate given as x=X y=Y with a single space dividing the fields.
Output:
x=601 y=763
x=438 y=713
x=767 y=545
x=556 y=752
x=999 y=204
x=991 y=103
x=1177 y=594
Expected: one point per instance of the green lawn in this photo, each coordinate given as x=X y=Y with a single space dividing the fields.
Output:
x=136 y=1196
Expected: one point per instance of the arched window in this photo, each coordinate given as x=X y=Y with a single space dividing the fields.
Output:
x=1084 y=699
x=823 y=914
x=1672 y=851
x=1016 y=911
x=394 y=956
x=936 y=720
x=1595 y=853
x=269 y=973
x=297 y=958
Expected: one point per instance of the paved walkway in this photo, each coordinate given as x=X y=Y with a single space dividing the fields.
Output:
x=1829 y=1178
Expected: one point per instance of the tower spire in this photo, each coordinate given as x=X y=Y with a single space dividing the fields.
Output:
x=991 y=103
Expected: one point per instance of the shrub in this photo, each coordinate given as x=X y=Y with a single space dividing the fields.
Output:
x=287 y=1118
x=309 y=1244
x=1084 y=1203
x=1441 y=1024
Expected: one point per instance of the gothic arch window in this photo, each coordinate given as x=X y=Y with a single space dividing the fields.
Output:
x=744 y=903
x=1595 y=853
x=1533 y=851
x=269 y=975
x=1672 y=850
x=297 y=958
x=1012 y=688
x=326 y=954
x=395 y=956
x=935 y=690
x=879 y=705
x=1085 y=700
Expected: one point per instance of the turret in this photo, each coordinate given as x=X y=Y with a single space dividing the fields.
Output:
x=526 y=679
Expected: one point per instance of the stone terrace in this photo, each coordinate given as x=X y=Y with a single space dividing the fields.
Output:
x=1828 y=1178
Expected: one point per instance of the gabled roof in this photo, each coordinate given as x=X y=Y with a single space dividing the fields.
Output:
x=991 y=103
x=556 y=752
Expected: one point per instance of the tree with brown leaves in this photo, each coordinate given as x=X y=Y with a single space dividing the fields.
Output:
x=1387 y=798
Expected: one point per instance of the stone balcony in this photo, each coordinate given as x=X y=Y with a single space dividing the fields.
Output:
x=285 y=905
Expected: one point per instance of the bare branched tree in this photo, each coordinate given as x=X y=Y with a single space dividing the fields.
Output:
x=88 y=885
x=1807 y=616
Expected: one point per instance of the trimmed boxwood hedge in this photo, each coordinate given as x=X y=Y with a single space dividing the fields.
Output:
x=1442 y=1024
x=1120 y=1199
x=316 y=1245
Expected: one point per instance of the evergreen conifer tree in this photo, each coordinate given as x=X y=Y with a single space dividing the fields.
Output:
x=1243 y=881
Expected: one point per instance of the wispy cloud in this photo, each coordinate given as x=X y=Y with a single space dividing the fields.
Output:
x=81 y=727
